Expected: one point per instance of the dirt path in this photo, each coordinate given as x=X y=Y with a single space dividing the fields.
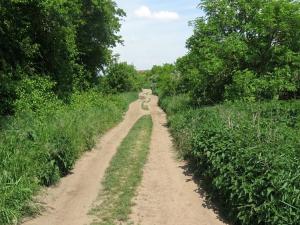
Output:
x=167 y=196
x=70 y=201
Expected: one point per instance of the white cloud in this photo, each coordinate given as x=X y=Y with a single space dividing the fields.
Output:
x=145 y=12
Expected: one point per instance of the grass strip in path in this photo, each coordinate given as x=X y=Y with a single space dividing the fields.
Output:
x=123 y=176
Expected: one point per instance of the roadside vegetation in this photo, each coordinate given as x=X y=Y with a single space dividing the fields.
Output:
x=232 y=101
x=246 y=155
x=37 y=148
x=124 y=175
x=60 y=88
x=67 y=42
x=233 y=108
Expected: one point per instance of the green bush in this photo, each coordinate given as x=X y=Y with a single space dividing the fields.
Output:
x=164 y=80
x=176 y=103
x=35 y=95
x=69 y=41
x=248 y=86
x=248 y=155
x=7 y=93
x=239 y=50
x=39 y=146
x=120 y=77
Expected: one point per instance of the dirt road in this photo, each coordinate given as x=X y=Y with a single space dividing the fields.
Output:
x=70 y=201
x=167 y=196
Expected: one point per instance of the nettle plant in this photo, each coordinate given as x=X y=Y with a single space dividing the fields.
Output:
x=246 y=154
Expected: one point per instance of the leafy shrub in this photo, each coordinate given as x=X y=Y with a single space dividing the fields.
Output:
x=37 y=147
x=164 y=80
x=7 y=92
x=248 y=86
x=35 y=95
x=176 y=103
x=69 y=41
x=248 y=155
x=120 y=77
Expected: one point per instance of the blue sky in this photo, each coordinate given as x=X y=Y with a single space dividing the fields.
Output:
x=155 y=31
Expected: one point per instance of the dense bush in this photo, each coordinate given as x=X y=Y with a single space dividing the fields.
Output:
x=176 y=103
x=43 y=140
x=247 y=154
x=35 y=95
x=67 y=41
x=164 y=80
x=120 y=77
x=240 y=50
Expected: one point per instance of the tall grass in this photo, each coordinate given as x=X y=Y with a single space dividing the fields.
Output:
x=37 y=148
x=248 y=154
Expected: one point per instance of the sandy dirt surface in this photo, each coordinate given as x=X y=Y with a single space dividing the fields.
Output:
x=69 y=202
x=167 y=196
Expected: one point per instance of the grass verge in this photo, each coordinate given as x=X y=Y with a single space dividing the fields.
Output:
x=124 y=175
x=37 y=148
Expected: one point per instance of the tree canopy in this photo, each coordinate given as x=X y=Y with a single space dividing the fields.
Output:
x=67 y=41
x=243 y=49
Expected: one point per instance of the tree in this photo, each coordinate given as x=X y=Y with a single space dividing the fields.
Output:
x=66 y=41
x=165 y=80
x=238 y=37
x=120 y=77
x=97 y=34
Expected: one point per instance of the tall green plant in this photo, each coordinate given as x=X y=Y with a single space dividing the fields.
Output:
x=258 y=36
x=67 y=41
x=44 y=139
x=246 y=154
x=120 y=77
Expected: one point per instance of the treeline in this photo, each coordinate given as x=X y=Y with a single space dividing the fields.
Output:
x=233 y=110
x=65 y=43
x=60 y=88
x=240 y=50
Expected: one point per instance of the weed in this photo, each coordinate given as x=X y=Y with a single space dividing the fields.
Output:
x=37 y=148
x=248 y=154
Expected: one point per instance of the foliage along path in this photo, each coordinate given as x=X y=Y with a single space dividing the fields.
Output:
x=70 y=202
x=167 y=195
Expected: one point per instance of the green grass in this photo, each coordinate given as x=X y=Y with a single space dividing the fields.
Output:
x=247 y=154
x=37 y=148
x=124 y=175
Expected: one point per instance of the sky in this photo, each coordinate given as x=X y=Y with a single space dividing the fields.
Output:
x=155 y=31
